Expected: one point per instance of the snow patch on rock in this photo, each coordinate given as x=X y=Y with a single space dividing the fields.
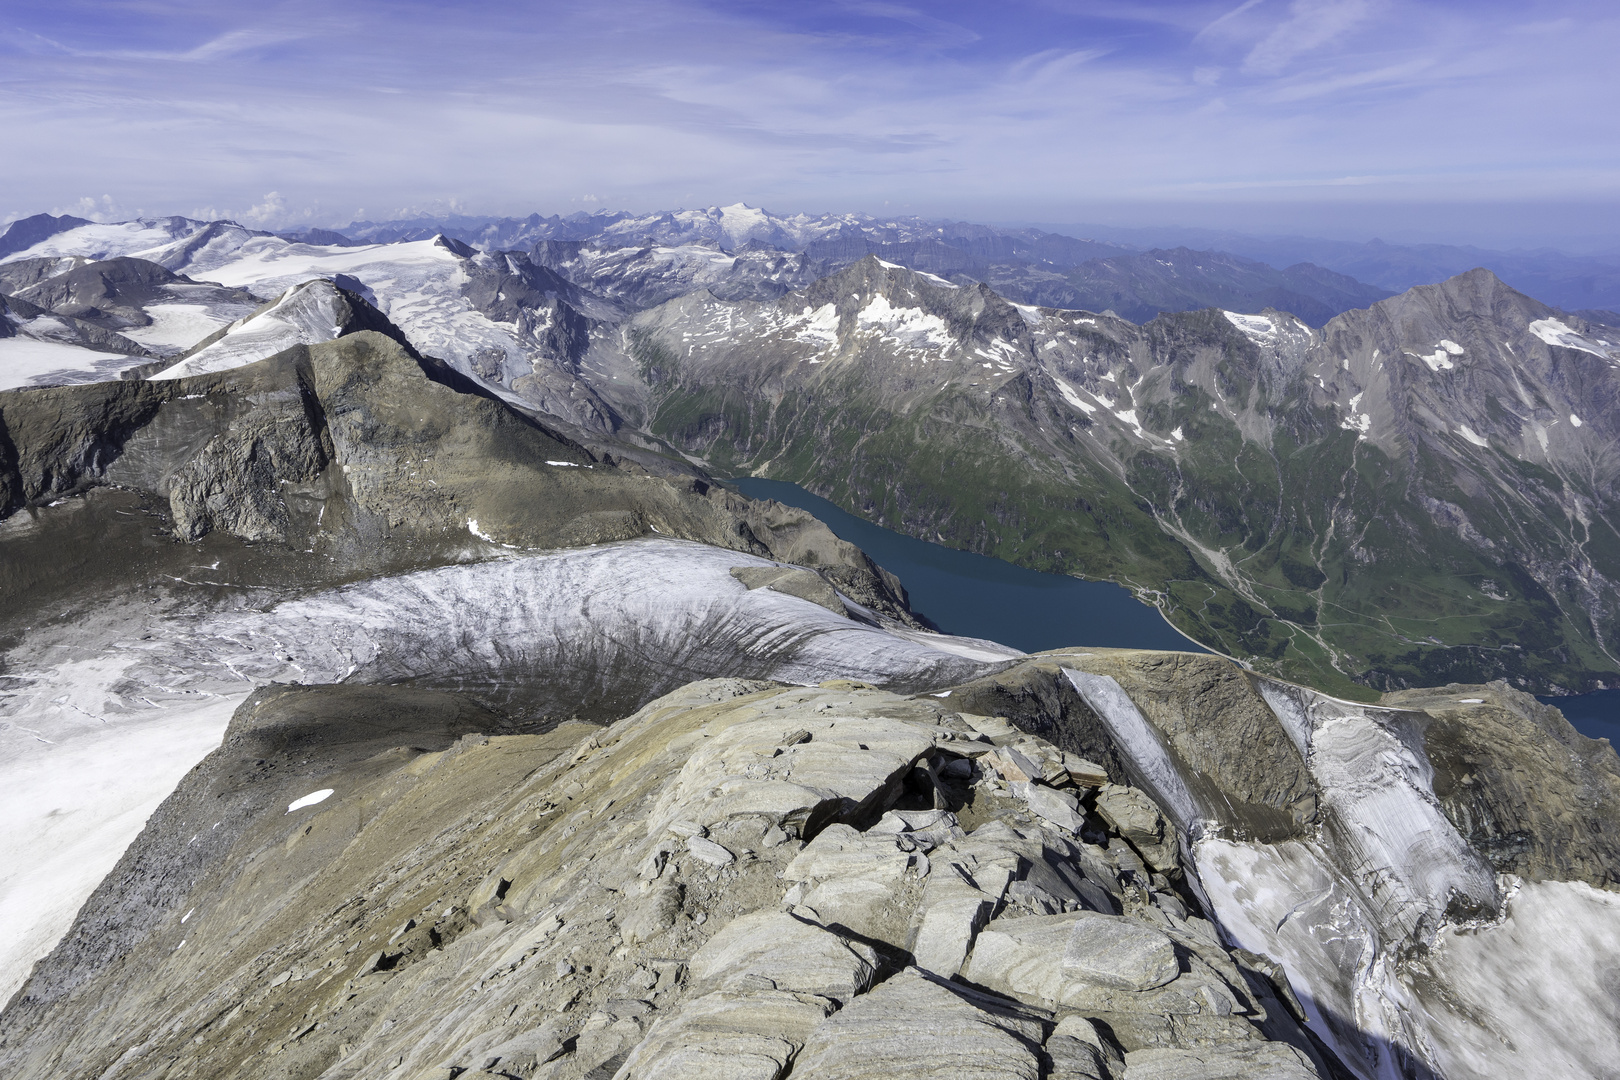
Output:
x=312 y=799
x=1072 y=397
x=911 y=327
x=1256 y=326
x=820 y=325
x=1554 y=332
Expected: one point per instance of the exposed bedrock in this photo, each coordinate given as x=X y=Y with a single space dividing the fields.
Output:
x=1373 y=851
x=740 y=879
x=751 y=879
x=360 y=451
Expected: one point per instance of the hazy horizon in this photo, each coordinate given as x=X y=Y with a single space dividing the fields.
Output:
x=1345 y=119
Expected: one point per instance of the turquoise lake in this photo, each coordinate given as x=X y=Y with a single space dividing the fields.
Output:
x=977 y=596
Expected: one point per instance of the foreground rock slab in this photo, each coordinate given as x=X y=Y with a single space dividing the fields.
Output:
x=546 y=906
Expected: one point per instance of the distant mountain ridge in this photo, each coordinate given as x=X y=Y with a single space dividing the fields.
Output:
x=1305 y=498
x=1572 y=282
x=1394 y=500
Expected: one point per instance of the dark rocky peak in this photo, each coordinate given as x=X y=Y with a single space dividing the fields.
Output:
x=111 y=294
x=13 y=313
x=19 y=275
x=93 y=287
x=321 y=238
x=542 y=304
x=24 y=233
x=1467 y=323
x=455 y=247
x=1476 y=297
x=1475 y=303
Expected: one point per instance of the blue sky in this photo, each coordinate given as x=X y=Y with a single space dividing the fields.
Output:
x=1479 y=122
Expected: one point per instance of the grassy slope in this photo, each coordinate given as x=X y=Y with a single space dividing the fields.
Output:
x=1346 y=584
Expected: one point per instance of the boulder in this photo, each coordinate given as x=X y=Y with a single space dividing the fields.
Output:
x=727 y=1036
x=1250 y=1061
x=914 y=1027
x=1057 y=807
x=946 y=934
x=1079 y=959
x=708 y=851
x=1073 y=1059
x=788 y=953
x=848 y=769
x=1117 y=952
x=1012 y=766
x=1129 y=812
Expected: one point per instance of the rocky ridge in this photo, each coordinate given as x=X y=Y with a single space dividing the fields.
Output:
x=834 y=880
x=1423 y=467
x=785 y=889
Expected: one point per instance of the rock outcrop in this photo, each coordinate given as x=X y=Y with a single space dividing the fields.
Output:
x=361 y=450
x=755 y=879
x=741 y=879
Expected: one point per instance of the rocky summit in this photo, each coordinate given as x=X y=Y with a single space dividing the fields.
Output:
x=391 y=686
x=752 y=879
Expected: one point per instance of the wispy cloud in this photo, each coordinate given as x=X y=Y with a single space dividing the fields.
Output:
x=1310 y=25
x=1221 y=23
x=1035 y=109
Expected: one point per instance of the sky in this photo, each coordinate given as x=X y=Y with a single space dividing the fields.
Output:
x=1480 y=122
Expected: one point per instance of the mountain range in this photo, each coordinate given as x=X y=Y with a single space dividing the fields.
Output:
x=1573 y=282
x=1385 y=501
x=390 y=686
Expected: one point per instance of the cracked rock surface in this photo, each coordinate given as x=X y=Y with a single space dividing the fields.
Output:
x=467 y=903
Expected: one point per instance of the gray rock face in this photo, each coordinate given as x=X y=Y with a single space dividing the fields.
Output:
x=1067 y=959
x=787 y=953
x=1484 y=753
x=1134 y=816
x=1269 y=1062
x=878 y=1036
x=792 y=581
x=1116 y=952
x=1434 y=782
x=536 y=906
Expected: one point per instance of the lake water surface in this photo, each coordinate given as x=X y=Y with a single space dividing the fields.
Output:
x=977 y=596
x=1597 y=716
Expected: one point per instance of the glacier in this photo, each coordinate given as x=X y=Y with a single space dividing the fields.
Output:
x=100 y=726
